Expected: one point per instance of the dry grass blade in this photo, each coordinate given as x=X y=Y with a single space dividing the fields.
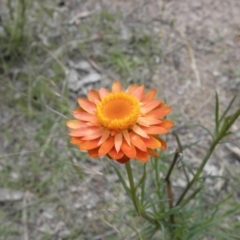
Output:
x=192 y=58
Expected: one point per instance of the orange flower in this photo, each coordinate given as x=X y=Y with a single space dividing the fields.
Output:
x=120 y=124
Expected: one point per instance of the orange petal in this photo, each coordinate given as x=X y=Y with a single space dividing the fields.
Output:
x=103 y=92
x=93 y=96
x=98 y=133
x=104 y=137
x=88 y=117
x=113 y=132
x=89 y=144
x=166 y=124
x=152 y=142
x=126 y=136
x=129 y=151
x=93 y=153
x=118 y=141
x=76 y=140
x=142 y=156
x=138 y=93
x=148 y=121
x=131 y=88
x=87 y=105
x=84 y=116
x=149 y=106
x=159 y=112
x=74 y=124
x=106 y=146
x=152 y=152
x=163 y=143
x=117 y=87
x=137 y=141
x=140 y=131
x=123 y=160
x=154 y=130
x=83 y=131
x=78 y=111
x=149 y=96
x=114 y=154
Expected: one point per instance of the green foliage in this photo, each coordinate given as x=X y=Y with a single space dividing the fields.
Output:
x=194 y=216
x=15 y=28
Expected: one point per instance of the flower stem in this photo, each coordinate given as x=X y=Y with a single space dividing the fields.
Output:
x=134 y=197
x=132 y=187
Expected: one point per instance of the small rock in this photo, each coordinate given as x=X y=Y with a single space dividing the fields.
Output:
x=48 y=215
x=234 y=149
x=64 y=234
x=73 y=78
x=216 y=74
x=46 y=229
x=81 y=65
x=10 y=195
x=90 y=78
x=211 y=169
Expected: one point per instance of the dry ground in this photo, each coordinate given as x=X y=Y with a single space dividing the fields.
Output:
x=186 y=49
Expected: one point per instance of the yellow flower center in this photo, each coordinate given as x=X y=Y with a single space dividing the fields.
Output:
x=118 y=111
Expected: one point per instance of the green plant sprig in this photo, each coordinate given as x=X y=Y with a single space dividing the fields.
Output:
x=219 y=135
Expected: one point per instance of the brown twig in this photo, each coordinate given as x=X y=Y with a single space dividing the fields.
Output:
x=169 y=185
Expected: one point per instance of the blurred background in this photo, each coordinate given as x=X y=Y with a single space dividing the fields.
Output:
x=52 y=52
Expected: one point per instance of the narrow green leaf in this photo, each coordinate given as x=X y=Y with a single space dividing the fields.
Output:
x=142 y=193
x=142 y=178
x=148 y=231
x=191 y=144
x=227 y=109
x=203 y=226
x=122 y=180
x=228 y=122
x=169 y=212
x=181 y=150
x=222 y=235
x=227 y=134
x=186 y=201
x=163 y=231
x=199 y=125
x=189 y=168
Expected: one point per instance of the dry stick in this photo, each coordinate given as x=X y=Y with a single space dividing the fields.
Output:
x=169 y=185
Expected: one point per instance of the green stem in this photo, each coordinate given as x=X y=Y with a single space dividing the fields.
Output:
x=134 y=197
x=197 y=175
x=220 y=135
x=132 y=187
